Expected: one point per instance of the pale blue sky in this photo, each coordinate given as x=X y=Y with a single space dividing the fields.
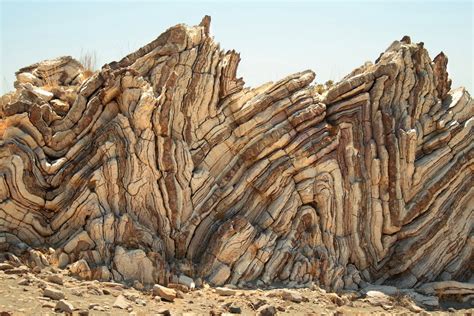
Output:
x=275 y=38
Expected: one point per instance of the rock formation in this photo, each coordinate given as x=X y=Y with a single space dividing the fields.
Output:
x=163 y=165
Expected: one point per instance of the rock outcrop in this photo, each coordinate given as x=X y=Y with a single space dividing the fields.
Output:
x=164 y=165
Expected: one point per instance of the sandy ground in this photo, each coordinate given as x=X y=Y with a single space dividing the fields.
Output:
x=22 y=293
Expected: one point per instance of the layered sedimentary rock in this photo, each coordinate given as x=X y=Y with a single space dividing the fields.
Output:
x=163 y=164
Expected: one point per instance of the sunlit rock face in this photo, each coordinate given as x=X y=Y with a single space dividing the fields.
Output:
x=163 y=164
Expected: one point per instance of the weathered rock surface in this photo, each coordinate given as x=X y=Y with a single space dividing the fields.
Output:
x=164 y=164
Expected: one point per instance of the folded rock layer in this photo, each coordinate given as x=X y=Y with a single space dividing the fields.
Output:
x=163 y=164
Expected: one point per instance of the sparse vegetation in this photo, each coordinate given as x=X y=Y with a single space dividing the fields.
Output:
x=321 y=88
x=89 y=61
x=329 y=84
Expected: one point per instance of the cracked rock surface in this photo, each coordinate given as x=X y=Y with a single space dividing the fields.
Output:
x=163 y=165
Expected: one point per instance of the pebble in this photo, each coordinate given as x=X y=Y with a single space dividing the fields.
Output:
x=23 y=282
x=234 y=309
x=48 y=305
x=223 y=291
x=266 y=310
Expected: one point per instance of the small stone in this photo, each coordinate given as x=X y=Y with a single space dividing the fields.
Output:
x=292 y=296
x=256 y=304
x=234 y=309
x=53 y=294
x=413 y=308
x=24 y=282
x=5 y=266
x=99 y=308
x=198 y=282
x=385 y=289
x=281 y=308
x=95 y=291
x=163 y=311
x=64 y=306
x=266 y=310
x=338 y=300
x=54 y=278
x=138 y=285
x=131 y=295
x=92 y=305
x=180 y=287
x=121 y=302
x=223 y=291
x=48 y=305
x=179 y=294
x=141 y=302
x=77 y=292
x=164 y=292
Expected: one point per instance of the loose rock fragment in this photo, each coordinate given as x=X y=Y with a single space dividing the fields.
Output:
x=53 y=294
x=164 y=292
x=223 y=291
x=121 y=302
x=54 y=278
x=64 y=306
x=266 y=310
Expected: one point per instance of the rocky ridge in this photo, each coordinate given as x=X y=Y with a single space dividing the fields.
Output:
x=163 y=167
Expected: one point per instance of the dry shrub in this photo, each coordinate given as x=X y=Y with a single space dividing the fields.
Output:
x=89 y=61
x=322 y=88
x=329 y=84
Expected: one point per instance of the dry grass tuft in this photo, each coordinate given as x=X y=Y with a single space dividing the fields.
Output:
x=89 y=61
x=322 y=88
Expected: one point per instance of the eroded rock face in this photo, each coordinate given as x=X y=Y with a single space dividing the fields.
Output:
x=163 y=164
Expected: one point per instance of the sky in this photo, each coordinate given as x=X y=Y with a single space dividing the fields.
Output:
x=274 y=38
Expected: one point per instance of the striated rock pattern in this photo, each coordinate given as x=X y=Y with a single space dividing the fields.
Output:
x=164 y=165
